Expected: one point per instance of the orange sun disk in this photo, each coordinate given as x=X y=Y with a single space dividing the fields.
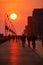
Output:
x=13 y=16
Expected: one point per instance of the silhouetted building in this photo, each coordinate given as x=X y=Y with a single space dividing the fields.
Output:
x=30 y=26
x=37 y=19
x=26 y=30
x=35 y=23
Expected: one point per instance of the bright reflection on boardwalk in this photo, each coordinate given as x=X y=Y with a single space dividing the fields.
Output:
x=14 y=53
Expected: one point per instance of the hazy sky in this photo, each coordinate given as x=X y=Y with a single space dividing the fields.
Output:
x=23 y=8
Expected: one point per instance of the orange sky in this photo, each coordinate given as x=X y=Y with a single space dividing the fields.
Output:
x=23 y=8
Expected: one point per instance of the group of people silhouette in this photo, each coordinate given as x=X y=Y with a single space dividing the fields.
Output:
x=29 y=38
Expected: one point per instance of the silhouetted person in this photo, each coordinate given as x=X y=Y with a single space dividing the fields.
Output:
x=28 y=39
x=42 y=41
x=23 y=40
x=33 y=41
x=16 y=38
x=13 y=37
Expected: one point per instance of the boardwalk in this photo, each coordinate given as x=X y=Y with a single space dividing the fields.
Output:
x=11 y=53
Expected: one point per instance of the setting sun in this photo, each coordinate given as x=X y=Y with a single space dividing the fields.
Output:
x=13 y=16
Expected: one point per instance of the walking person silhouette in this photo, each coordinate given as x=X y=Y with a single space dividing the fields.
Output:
x=23 y=40
x=42 y=41
x=28 y=39
x=33 y=41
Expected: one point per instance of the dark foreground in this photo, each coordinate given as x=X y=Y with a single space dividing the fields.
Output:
x=11 y=53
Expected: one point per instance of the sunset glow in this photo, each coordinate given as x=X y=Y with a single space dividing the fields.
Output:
x=13 y=16
x=22 y=9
